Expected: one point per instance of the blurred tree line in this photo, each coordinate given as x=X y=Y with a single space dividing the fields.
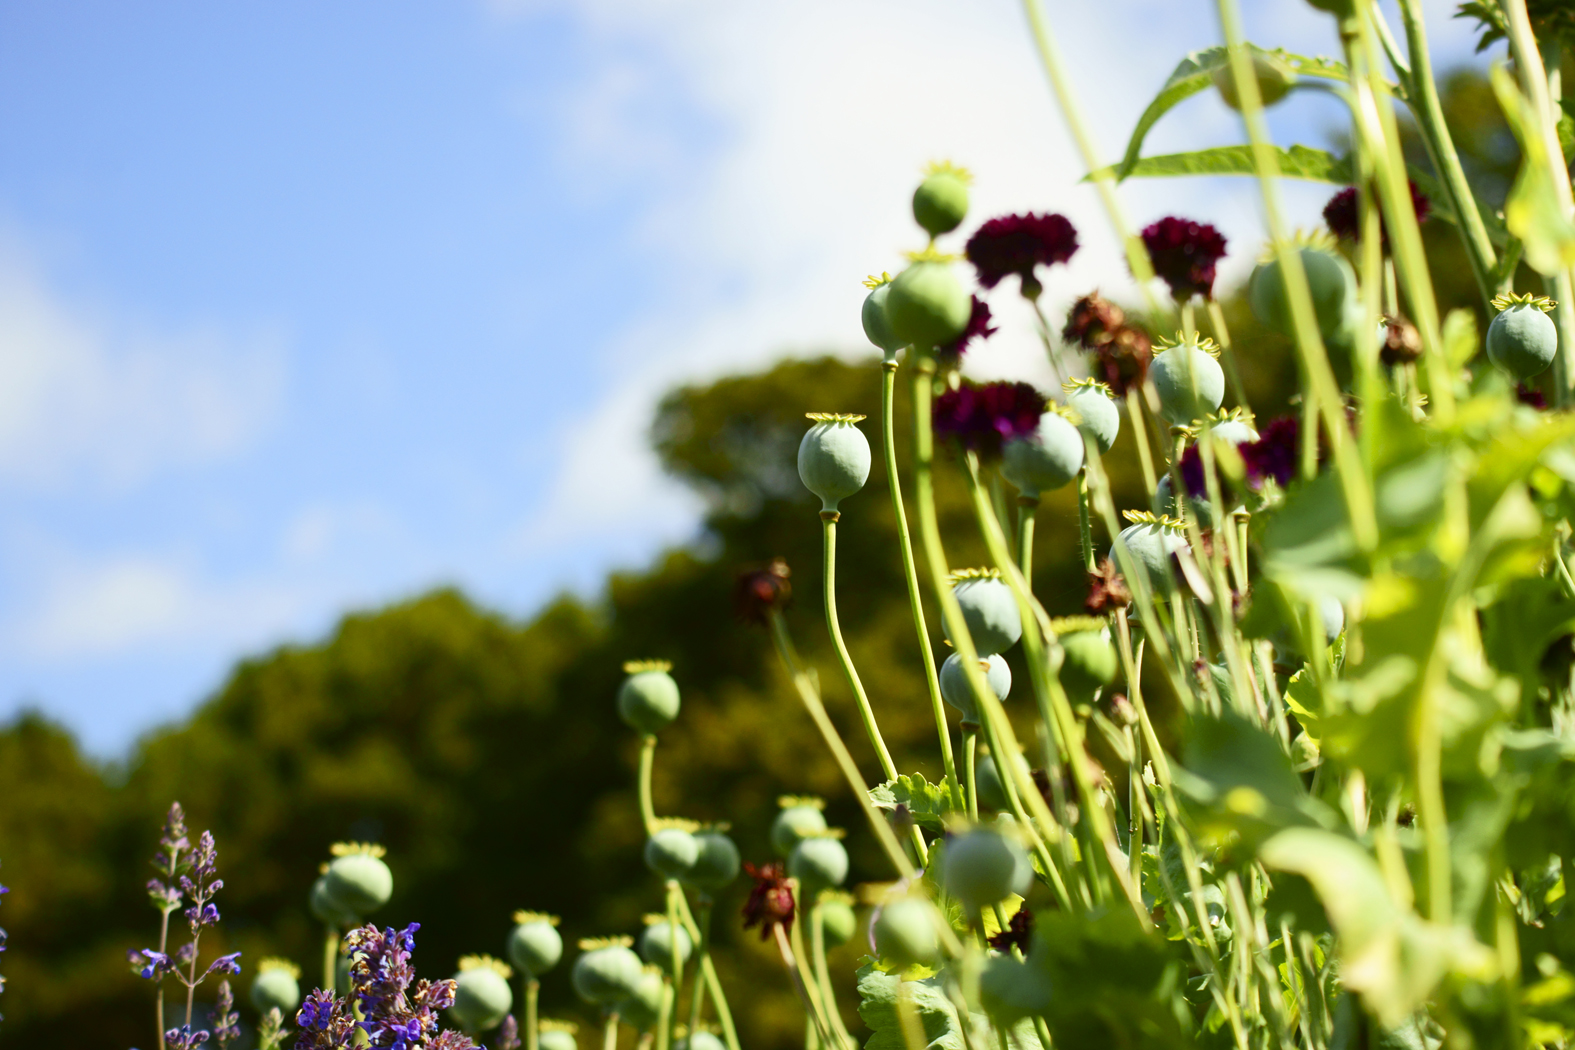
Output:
x=486 y=753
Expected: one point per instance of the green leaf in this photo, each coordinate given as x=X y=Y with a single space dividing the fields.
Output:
x=1195 y=74
x=1297 y=162
x=1239 y=781
x=1461 y=341
x=879 y=995
x=1534 y=211
x=928 y=804
x=1304 y=701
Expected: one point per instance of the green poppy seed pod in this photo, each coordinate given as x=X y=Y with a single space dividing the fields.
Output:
x=987 y=782
x=927 y=305
x=877 y=326
x=648 y=698
x=1090 y=663
x=1151 y=544
x=718 y=862
x=1101 y=418
x=1329 y=276
x=671 y=852
x=656 y=945
x=606 y=974
x=989 y=611
x=956 y=691
x=1522 y=341
x=326 y=909
x=905 y=932
x=276 y=986
x=1165 y=505
x=641 y=1009
x=535 y=946
x=1011 y=989
x=557 y=1039
x=1046 y=459
x=941 y=202
x=834 y=458
x=697 y=1041
x=359 y=882
x=481 y=998
x=1274 y=81
x=838 y=922
x=983 y=867
x=795 y=822
x=1189 y=382
x=818 y=864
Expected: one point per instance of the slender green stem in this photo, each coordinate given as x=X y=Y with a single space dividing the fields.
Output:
x=647 y=762
x=1434 y=132
x=330 y=957
x=1139 y=425
x=1026 y=505
x=1134 y=806
x=971 y=768
x=1085 y=531
x=676 y=964
x=910 y=575
x=610 y=1032
x=724 y=1015
x=164 y=944
x=532 y=993
x=1238 y=389
x=702 y=951
x=828 y=527
x=817 y=950
x=806 y=993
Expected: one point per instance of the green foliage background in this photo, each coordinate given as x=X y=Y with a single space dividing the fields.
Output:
x=486 y=753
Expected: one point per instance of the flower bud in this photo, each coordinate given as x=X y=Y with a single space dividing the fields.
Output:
x=481 y=993
x=905 y=932
x=984 y=867
x=818 y=863
x=607 y=971
x=1046 y=459
x=833 y=458
x=671 y=852
x=535 y=946
x=956 y=690
x=648 y=698
x=800 y=818
x=276 y=986
x=989 y=610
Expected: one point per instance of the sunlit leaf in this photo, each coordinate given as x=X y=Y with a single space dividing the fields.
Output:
x=1534 y=211
x=927 y=803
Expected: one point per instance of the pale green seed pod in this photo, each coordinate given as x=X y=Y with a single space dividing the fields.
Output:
x=928 y=306
x=1189 y=382
x=328 y=910
x=800 y=818
x=557 y=1039
x=535 y=946
x=1045 y=460
x=905 y=932
x=1090 y=661
x=1329 y=277
x=838 y=921
x=718 y=862
x=984 y=867
x=989 y=610
x=956 y=691
x=1151 y=543
x=877 y=325
x=699 y=1041
x=818 y=863
x=482 y=996
x=357 y=879
x=643 y=1007
x=607 y=971
x=834 y=458
x=987 y=781
x=276 y=986
x=1101 y=419
x=671 y=852
x=1522 y=340
x=941 y=202
x=648 y=698
x=656 y=945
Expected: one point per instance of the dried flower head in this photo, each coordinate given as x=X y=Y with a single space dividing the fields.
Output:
x=757 y=593
x=1343 y=214
x=1092 y=321
x=1402 y=343
x=979 y=327
x=1123 y=360
x=1185 y=255
x=1019 y=244
x=1107 y=589
x=981 y=417
x=770 y=902
x=1276 y=452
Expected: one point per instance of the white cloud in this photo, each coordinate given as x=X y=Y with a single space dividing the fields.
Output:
x=85 y=396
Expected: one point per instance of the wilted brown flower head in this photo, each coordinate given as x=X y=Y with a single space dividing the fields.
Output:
x=770 y=902
x=1092 y=320
x=1107 y=589
x=1123 y=361
x=759 y=592
x=1402 y=343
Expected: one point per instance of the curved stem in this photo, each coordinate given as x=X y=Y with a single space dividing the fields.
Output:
x=817 y=947
x=828 y=522
x=647 y=761
x=806 y=994
x=699 y=935
x=1026 y=505
x=532 y=989
x=910 y=574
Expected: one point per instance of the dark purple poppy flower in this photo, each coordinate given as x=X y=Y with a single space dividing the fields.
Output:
x=979 y=327
x=1191 y=468
x=1018 y=244
x=1017 y=933
x=1529 y=396
x=981 y=417
x=1185 y=254
x=1276 y=453
x=1343 y=214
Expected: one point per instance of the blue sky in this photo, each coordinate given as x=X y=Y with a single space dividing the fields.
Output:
x=306 y=307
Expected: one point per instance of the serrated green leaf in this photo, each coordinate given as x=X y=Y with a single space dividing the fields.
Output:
x=1194 y=75
x=1297 y=162
x=928 y=804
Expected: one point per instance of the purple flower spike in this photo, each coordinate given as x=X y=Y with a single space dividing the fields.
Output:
x=226 y=1022
x=149 y=964
x=982 y=417
x=1018 y=244
x=183 y=1038
x=1185 y=254
x=509 y=1034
